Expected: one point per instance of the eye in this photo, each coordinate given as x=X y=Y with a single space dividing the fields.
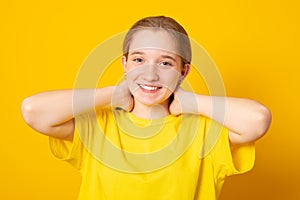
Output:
x=138 y=60
x=166 y=63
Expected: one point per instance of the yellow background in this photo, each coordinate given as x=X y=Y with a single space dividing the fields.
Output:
x=255 y=45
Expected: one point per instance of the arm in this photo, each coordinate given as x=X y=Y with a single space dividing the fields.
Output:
x=247 y=120
x=52 y=113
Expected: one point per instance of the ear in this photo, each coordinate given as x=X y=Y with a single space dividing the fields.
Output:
x=124 y=64
x=184 y=73
x=185 y=70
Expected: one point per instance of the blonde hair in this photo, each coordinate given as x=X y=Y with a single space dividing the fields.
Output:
x=162 y=23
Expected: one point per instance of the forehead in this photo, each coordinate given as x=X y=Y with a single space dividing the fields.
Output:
x=153 y=39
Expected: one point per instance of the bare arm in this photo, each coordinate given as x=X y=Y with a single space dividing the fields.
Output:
x=247 y=120
x=52 y=113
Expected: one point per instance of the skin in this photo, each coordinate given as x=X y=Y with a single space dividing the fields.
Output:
x=153 y=70
x=145 y=68
x=151 y=84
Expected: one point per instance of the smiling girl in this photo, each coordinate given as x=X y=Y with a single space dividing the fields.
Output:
x=146 y=137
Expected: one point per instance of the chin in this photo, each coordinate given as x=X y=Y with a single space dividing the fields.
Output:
x=153 y=102
x=149 y=102
x=152 y=99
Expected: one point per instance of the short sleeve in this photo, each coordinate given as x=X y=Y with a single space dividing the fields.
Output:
x=70 y=151
x=74 y=152
x=231 y=159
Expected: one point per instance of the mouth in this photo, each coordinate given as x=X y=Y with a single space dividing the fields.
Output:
x=149 y=88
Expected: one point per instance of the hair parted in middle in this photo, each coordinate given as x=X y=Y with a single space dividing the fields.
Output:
x=167 y=24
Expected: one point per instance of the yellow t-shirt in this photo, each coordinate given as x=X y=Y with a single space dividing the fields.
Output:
x=121 y=156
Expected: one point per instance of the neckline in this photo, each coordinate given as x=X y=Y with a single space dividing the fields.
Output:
x=148 y=122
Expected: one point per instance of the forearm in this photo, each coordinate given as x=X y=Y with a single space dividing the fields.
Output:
x=247 y=118
x=49 y=109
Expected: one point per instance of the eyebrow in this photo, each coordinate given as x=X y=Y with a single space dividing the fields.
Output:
x=169 y=57
x=142 y=53
x=136 y=52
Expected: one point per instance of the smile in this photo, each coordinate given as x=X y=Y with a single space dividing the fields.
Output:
x=149 y=88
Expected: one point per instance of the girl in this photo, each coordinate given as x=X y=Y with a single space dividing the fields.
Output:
x=164 y=142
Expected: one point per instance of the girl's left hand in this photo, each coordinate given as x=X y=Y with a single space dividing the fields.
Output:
x=184 y=102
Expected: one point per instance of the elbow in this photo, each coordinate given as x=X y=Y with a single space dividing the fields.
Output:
x=257 y=126
x=263 y=121
x=27 y=109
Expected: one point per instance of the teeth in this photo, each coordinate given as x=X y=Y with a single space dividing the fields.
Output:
x=149 y=87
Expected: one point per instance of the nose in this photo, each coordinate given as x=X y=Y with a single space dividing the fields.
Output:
x=151 y=73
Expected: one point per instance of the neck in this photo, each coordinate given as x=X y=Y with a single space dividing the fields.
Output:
x=151 y=112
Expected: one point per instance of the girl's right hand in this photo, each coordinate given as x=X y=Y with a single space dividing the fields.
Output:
x=122 y=97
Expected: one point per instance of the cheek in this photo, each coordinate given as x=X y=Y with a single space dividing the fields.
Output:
x=170 y=79
x=133 y=74
x=131 y=77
